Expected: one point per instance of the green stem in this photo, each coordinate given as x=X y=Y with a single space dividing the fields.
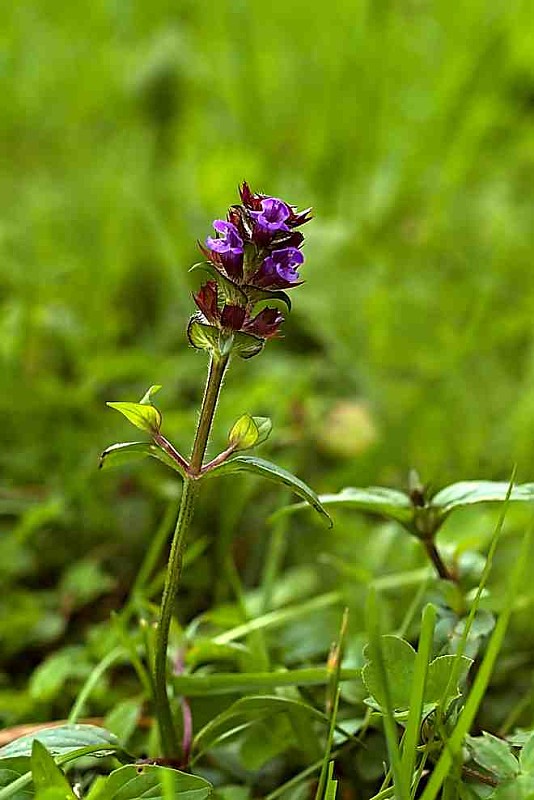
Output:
x=209 y=403
x=168 y=734
x=434 y=555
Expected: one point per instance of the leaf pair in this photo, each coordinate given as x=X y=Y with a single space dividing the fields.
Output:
x=247 y=432
x=399 y=506
x=399 y=659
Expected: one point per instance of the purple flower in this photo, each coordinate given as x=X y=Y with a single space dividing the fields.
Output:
x=228 y=245
x=279 y=270
x=271 y=219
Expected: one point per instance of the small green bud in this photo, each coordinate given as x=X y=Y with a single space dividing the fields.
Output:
x=249 y=431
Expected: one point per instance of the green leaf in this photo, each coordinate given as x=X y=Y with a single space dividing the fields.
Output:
x=46 y=774
x=331 y=784
x=273 y=472
x=203 y=336
x=246 y=712
x=494 y=755
x=387 y=503
x=246 y=345
x=146 y=399
x=232 y=793
x=122 y=453
x=8 y=776
x=526 y=758
x=264 y=426
x=122 y=720
x=145 y=417
x=230 y=291
x=467 y=493
x=249 y=431
x=13 y=781
x=399 y=662
x=55 y=793
x=521 y=788
x=63 y=739
x=437 y=688
x=48 y=679
x=146 y=781
x=257 y=295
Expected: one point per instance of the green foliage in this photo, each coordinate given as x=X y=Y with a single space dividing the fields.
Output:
x=125 y=129
x=273 y=472
x=399 y=664
x=143 y=416
x=63 y=740
x=46 y=775
x=157 y=783
x=118 y=454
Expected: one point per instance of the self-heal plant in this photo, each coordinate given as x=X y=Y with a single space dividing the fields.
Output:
x=253 y=258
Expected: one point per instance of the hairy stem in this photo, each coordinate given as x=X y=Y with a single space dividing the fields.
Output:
x=168 y=734
x=209 y=403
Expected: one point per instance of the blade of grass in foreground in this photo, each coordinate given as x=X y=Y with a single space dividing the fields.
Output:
x=375 y=649
x=455 y=672
x=331 y=784
x=413 y=725
x=482 y=679
x=333 y=695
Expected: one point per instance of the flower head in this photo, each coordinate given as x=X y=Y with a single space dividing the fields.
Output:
x=255 y=253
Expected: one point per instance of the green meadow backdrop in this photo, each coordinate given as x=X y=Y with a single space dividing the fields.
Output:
x=125 y=129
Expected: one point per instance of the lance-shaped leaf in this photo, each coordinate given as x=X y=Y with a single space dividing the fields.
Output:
x=46 y=774
x=122 y=453
x=468 y=493
x=249 y=431
x=273 y=472
x=145 y=417
x=373 y=500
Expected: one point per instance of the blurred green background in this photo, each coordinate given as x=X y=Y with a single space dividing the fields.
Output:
x=126 y=127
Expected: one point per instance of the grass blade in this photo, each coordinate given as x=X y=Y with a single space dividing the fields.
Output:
x=482 y=679
x=375 y=649
x=422 y=659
